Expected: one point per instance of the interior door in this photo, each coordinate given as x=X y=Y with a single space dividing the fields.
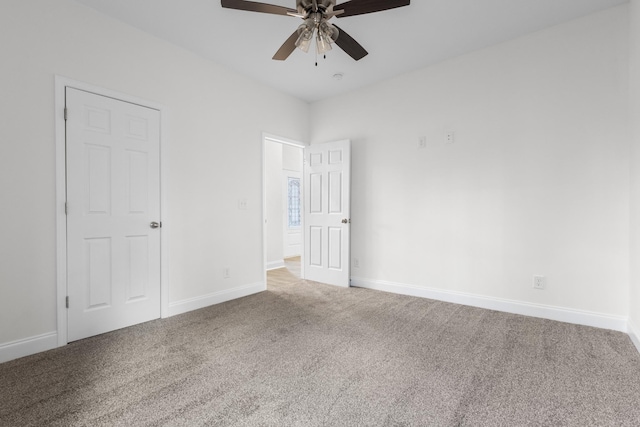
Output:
x=327 y=223
x=113 y=214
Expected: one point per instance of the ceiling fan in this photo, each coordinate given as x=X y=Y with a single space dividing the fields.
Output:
x=316 y=15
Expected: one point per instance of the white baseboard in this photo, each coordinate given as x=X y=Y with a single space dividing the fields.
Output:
x=273 y=265
x=561 y=314
x=28 y=346
x=190 y=304
x=32 y=345
x=634 y=334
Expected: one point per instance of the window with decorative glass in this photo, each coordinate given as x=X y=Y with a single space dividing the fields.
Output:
x=293 y=202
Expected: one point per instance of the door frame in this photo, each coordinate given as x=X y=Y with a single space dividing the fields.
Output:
x=61 y=83
x=266 y=137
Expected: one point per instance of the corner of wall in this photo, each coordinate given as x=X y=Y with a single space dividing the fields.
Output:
x=634 y=334
x=184 y=306
x=634 y=128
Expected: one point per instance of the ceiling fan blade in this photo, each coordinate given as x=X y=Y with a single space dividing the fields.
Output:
x=257 y=7
x=349 y=45
x=287 y=48
x=359 y=7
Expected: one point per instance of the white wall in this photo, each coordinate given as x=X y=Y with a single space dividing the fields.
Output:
x=291 y=158
x=273 y=187
x=634 y=309
x=537 y=181
x=216 y=120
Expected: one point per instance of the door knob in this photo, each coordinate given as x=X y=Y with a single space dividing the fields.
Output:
x=155 y=224
x=346 y=221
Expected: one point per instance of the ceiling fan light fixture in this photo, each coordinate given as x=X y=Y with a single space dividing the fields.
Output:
x=330 y=31
x=327 y=34
x=303 y=43
x=305 y=35
x=323 y=44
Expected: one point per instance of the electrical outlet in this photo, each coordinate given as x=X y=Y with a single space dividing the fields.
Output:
x=226 y=272
x=449 y=137
x=539 y=282
x=242 y=204
x=422 y=142
x=356 y=263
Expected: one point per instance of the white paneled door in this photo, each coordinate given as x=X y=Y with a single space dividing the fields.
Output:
x=327 y=221
x=113 y=219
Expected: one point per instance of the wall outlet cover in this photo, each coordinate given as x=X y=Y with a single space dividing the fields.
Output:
x=449 y=137
x=539 y=282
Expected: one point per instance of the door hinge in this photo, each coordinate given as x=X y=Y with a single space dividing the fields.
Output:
x=66 y=113
x=66 y=301
x=66 y=208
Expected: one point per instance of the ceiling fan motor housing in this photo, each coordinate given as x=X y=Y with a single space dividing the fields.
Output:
x=304 y=6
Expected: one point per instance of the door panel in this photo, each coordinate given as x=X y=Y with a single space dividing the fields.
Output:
x=137 y=188
x=315 y=193
x=137 y=281
x=113 y=194
x=315 y=245
x=327 y=212
x=335 y=192
x=98 y=269
x=335 y=248
x=98 y=177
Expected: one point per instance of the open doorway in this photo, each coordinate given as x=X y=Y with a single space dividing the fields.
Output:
x=282 y=209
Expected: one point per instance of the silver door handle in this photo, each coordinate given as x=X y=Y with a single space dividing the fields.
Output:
x=155 y=224
x=346 y=221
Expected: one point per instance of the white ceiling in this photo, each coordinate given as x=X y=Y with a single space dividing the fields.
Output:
x=398 y=40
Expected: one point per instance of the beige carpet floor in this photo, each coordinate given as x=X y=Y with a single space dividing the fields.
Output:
x=306 y=354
